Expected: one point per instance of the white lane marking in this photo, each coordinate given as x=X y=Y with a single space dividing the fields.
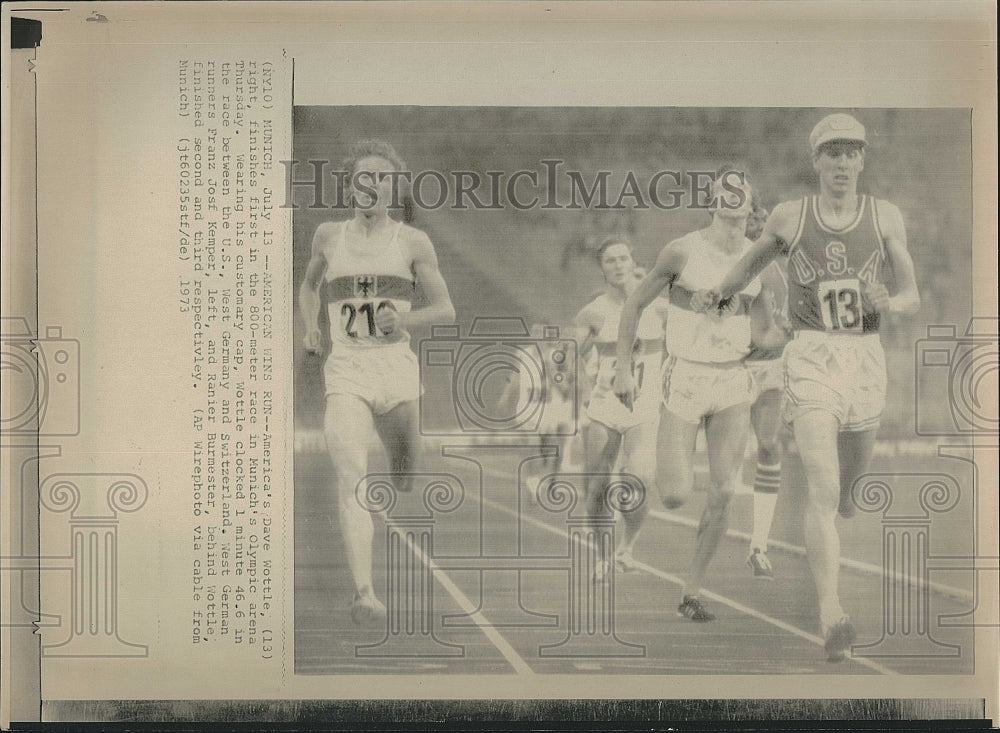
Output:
x=760 y=616
x=680 y=582
x=862 y=567
x=481 y=622
x=745 y=489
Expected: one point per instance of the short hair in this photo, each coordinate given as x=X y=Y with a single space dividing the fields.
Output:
x=368 y=149
x=610 y=241
x=755 y=204
x=362 y=149
x=758 y=213
x=727 y=168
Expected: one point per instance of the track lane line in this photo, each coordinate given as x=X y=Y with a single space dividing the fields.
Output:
x=676 y=580
x=784 y=626
x=949 y=591
x=482 y=623
x=856 y=565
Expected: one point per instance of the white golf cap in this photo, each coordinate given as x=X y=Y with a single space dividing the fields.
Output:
x=837 y=127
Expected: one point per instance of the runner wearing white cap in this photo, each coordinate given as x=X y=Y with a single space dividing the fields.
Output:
x=838 y=245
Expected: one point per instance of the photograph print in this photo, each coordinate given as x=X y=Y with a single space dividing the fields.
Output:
x=666 y=391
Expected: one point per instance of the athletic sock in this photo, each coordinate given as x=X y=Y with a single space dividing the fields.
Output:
x=765 y=497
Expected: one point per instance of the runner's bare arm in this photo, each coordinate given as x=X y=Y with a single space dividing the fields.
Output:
x=586 y=324
x=507 y=399
x=767 y=323
x=586 y=378
x=439 y=308
x=309 y=301
x=668 y=265
x=907 y=300
x=779 y=229
x=662 y=309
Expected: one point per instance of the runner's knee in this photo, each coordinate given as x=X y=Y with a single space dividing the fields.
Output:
x=647 y=481
x=349 y=465
x=825 y=497
x=353 y=503
x=719 y=495
x=675 y=491
x=673 y=501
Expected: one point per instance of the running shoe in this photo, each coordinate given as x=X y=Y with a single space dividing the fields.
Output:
x=625 y=563
x=694 y=609
x=839 y=639
x=760 y=565
x=366 y=608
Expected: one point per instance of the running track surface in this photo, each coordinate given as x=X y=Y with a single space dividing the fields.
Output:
x=761 y=627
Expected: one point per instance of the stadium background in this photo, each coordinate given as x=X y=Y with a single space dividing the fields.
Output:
x=539 y=263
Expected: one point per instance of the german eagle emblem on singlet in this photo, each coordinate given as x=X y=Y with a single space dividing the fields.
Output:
x=365 y=286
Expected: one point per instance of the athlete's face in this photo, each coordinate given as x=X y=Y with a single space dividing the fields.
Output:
x=732 y=196
x=617 y=264
x=370 y=185
x=839 y=164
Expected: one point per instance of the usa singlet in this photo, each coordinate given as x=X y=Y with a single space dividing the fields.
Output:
x=827 y=266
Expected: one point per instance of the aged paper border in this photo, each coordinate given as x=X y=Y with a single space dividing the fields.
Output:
x=679 y=54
